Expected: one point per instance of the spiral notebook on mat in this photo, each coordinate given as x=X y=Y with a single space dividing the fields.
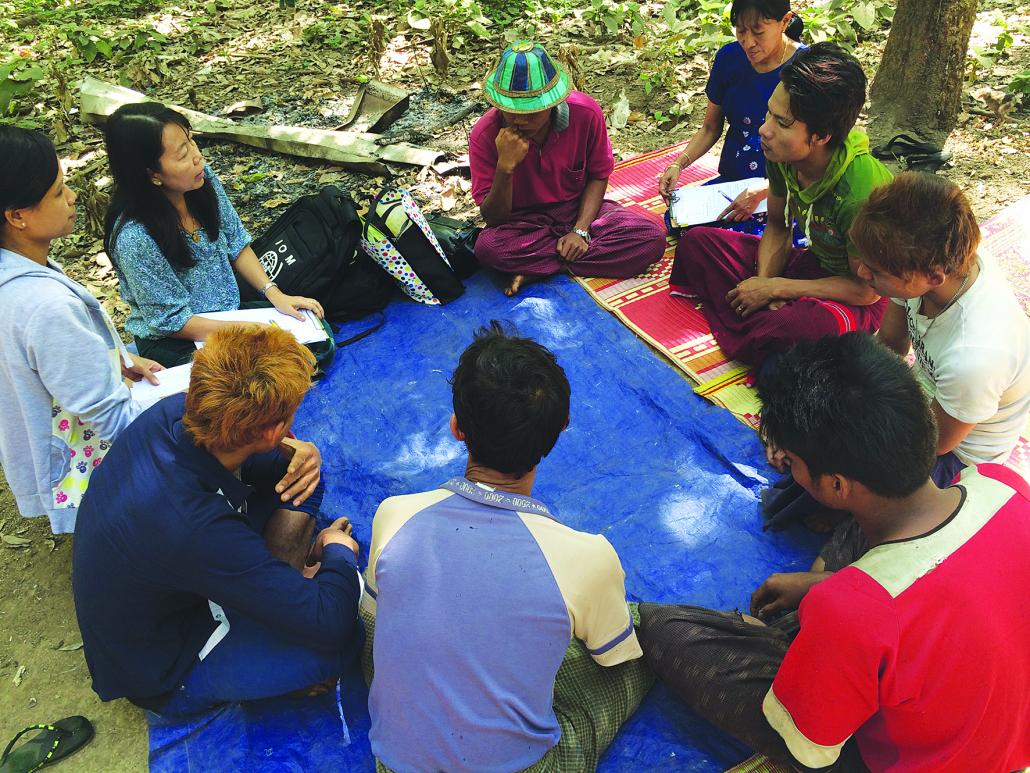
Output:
x=700 y=204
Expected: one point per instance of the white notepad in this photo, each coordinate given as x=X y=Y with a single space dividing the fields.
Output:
x=701 y=204
x=308 y=330
x=172 y=381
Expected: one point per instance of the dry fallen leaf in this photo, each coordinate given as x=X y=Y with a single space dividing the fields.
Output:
x=243 y=107
x=620 y=111
x=448 y=198
x=16 y=542
x=18 y=675
x=70 y=647
x=276 y=201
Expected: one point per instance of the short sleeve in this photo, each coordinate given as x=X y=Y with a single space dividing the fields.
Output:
x=593 y=584
x=717 y=84
x=970 y=382
x=829 y=683
x=483 y=156
x=865 y=175
x=157 y=292
x=600 y=162
x=777 y=182
x=604 y=624
x=237 y=237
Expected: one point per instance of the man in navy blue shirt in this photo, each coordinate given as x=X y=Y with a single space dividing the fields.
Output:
x=182 y=592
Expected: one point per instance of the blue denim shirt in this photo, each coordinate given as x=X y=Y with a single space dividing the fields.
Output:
x=162 y=299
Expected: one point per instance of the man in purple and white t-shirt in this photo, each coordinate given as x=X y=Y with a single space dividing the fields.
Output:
x=475 y=592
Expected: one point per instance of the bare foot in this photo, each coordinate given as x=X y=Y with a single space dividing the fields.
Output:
x=515 y=285
x=319 y=688
x=824 y=521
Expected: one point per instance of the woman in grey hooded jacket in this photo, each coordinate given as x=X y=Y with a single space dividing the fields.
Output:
x=62 y=364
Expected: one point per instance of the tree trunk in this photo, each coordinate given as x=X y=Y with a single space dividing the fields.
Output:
x=918 y=85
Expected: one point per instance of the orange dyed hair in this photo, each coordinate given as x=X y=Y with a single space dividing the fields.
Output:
x=245 y=379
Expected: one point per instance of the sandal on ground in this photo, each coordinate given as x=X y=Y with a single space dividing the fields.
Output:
x=52 y=745
x=927 y=162
x=903 y=145
x=917 y=155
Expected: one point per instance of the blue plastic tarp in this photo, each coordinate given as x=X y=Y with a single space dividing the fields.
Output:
x=669 y=479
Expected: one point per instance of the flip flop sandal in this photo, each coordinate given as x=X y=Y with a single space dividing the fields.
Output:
x=903 y=145
x=56 y=742
x=927 y=162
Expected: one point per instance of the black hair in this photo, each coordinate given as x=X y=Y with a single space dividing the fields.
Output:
x=847 y=405
x=511 y=399
x=134 y=139
x=768 y=9
x=28 y=167
x=827 y=87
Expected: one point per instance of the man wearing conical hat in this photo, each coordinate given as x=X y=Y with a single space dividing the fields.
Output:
x=540 y=161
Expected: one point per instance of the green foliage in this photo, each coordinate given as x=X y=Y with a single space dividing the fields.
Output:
x=615 y=16
x=984 y=57
x=1020 y=86
x=89 y=42
x=846 y=21
x=17 y=77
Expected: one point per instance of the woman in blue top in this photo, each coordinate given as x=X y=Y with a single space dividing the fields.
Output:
x=743 y=78
x=173 y=236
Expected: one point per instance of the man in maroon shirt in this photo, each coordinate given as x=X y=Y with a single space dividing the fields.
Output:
x=540 y=162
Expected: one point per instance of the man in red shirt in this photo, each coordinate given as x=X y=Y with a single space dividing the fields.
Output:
x=910 y=647
x=540 y=162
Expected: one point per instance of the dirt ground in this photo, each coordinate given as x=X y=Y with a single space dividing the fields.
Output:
x=43 y=675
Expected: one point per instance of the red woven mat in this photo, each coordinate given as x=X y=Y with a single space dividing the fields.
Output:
x=677 y=328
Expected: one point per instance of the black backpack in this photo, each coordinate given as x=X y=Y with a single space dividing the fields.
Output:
x=313 y=249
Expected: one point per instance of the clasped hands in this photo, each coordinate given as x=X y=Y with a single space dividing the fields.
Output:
x=756 y=293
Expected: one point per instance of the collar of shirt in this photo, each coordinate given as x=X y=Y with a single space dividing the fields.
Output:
x=209 y=468
x=504 y=500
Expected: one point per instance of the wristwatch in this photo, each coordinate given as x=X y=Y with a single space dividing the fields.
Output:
x=582 y=232
x=264 y=290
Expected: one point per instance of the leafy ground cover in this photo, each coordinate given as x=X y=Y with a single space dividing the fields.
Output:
x=646 y=63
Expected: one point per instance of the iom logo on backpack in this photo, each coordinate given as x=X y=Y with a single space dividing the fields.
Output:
x=274 y=260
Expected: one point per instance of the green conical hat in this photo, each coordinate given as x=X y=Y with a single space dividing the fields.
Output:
x=525 y=80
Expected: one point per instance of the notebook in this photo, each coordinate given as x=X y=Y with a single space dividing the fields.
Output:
x=702 y=204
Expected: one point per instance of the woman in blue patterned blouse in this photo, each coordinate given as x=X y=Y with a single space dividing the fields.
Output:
x=743 y=77
x=173 y=236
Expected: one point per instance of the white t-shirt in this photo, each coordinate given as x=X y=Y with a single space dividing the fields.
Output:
x=975 y=361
